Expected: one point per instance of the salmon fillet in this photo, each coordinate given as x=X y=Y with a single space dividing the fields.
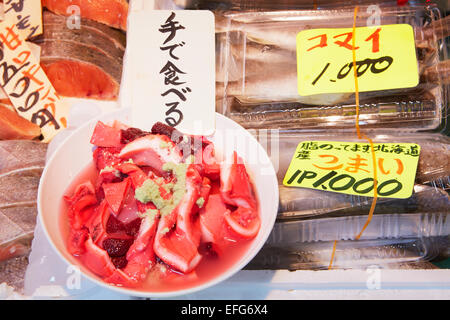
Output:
x=13 y=126
x=82 y=63
x=111 y=12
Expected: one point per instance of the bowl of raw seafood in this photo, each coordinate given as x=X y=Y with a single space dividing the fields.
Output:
x=157 y=213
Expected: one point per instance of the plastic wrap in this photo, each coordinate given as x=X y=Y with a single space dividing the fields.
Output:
x=432 y=180
x=256 y=76
x=401 y=230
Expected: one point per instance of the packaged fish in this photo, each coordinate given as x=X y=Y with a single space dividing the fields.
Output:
x=257 y=76
x=395 y=252
x=400 y=230
x=430 y=192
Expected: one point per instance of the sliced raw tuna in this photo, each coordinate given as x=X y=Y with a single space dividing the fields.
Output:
x=106 y=157
x=83 y=197
x=106 y=136
x=130 y=208
x=98 y=222
x=115 y=194
x=76 y=241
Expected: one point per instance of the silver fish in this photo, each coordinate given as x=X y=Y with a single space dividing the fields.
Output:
x=434 y=158
x=259 y=58
x=273 y=84
x=296 y=203
x=391 y=253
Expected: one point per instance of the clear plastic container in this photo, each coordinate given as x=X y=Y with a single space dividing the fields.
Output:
x=256 y=75
x=430 y=191
x=401 y=230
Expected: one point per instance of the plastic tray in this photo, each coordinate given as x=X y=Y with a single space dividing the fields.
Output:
x=256 y=76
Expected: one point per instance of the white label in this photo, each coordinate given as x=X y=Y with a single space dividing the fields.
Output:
x=169 y=70
x=26 y=14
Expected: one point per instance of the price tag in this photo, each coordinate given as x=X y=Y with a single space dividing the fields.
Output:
x=169 y=69
x=347 y=167
x=26 y=84
x=385 y=59
x=26 y=14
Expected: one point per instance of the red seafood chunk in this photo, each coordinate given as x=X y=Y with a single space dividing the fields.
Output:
x=152 y=151
x=205 y=190
x=97 y=260
x=97 y=224
x=244 y=221
x=209 y=162
x=117 y=247
x=131 y=134
x=106 y=136
x=119 y=262
x=173 y=247
x=113 y=225
x=83 y=197
x=235 y=185
x=213 y=227
x=106 y=157
x=132 y=227
x=136 y=174
x=187 y=221
x=77 y=238
x=130 y=208
x=141 y=256
x=115 y=194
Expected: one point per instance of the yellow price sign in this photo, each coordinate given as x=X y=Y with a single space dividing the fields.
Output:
x=347 y=167
x=385 y=59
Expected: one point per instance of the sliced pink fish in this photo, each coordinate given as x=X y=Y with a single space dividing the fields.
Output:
x=174 y=248
x=235 y=185
x=187 y=221
x=152 y=150
x=97 y=260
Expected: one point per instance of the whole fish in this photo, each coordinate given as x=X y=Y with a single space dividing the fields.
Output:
x=416 y=110
x=391 y=253
x=433 y=170
x=434 y=158
x=261 y=45
x=275 y=85
x=298 y=203
x=280 y=28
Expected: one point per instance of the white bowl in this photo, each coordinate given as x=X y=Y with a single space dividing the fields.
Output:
x=75 y=152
